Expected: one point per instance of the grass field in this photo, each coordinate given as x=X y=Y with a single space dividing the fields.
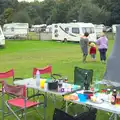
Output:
x=22 y=56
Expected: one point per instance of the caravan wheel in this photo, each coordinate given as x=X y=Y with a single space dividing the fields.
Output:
x=65 y=39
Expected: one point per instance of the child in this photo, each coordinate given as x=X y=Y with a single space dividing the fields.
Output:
x=93 y=51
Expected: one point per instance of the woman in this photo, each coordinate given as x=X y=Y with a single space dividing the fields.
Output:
x=84 y=45
x=102 y=43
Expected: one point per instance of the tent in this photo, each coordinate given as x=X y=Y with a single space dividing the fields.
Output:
x=112 y=74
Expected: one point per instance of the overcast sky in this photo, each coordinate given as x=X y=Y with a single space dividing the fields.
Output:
x=28 y=0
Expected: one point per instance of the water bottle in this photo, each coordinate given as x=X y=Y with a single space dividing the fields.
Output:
x=96 y=85
x=38 y=78
x=86 y=84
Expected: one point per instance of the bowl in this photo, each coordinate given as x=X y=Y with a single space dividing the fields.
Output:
x=82 y=97
x=89 y=94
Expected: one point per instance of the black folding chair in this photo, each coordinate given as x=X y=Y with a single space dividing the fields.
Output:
x=61 y=115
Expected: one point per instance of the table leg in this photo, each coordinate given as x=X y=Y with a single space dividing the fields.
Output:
x=45 y=105
x=115 y=116
x=66 y=107
x=54 y=101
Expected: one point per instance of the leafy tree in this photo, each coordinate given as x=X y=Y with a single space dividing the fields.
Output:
x=8 y=14
x=31 y=12
x=38 y=20
x=115 y=12
x=22 y=16
x=46 y=7
x=92 y=13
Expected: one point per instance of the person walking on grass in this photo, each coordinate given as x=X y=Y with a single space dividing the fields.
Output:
x=84 y=42
x=102 y=43
x=92 y=51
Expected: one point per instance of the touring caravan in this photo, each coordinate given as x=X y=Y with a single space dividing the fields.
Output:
x=72 y=31
x=114 y=28
x=99 y=29
x=13 y=30
x=38 y=28
x=49 y=28
x=2 y=38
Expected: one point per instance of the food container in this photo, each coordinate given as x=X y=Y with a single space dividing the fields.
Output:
x=53 y=85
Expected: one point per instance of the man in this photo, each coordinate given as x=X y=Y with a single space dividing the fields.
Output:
x=84 y=45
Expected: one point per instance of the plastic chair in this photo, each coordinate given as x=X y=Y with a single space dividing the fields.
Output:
x=61 y=115
x=20 y=101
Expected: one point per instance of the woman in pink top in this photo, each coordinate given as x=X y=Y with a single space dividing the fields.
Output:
x=102 y=43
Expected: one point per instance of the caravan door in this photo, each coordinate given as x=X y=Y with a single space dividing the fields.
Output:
x=2 y=38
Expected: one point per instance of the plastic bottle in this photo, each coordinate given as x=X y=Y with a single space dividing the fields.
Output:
x=46 y=86
x=38 y=78
x=113 y=98
x=86 y=84
x=96 y=85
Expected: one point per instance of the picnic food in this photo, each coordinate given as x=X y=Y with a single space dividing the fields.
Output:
x=70 y=97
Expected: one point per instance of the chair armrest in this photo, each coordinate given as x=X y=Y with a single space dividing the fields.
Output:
x=56 y=75
x=36 y=95
x=18 y=78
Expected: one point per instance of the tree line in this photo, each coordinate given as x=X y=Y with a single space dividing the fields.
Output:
x=60 y=11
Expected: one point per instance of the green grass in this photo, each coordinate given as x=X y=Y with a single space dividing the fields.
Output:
x=22 y=56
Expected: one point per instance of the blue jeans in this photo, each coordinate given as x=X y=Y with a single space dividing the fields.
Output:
x=103 y=54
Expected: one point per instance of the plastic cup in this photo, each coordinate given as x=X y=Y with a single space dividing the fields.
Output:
x=42 y=83
x=82 y=97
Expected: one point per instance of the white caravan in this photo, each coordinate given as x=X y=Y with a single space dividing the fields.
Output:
x=2 y=38
x=49 y=28
x=38 y=28
x=99 y=29
x=13 y=30
x=114 y=28
x=72 y=31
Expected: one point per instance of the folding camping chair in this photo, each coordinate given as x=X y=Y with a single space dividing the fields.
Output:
x=45 y=70
x=61 y=115
x=5 y=75
x=8 y=74
x=82 y=77
x=20 y=101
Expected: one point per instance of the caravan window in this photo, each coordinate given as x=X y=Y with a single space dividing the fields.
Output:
x=12 y=29
x=88 y=29
x=56 y=31
x=75 y=30
x=56 y=26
